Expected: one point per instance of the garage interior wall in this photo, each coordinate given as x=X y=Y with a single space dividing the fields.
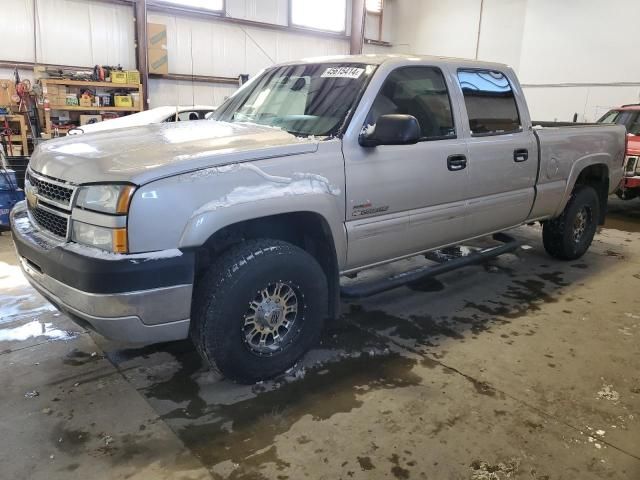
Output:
x=569 y=60
x=572 y=56
x=89 y=32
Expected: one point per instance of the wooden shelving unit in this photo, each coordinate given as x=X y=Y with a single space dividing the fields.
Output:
x=73 y=108
x=94 y=109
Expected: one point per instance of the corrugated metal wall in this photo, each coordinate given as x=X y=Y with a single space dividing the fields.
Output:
x=68 y=32
x=89 y=32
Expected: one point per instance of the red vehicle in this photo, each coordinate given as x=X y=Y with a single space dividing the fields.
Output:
x=629 y=116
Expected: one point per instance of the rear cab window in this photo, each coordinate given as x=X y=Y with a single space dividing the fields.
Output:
x=490 y=102
x=421 y=92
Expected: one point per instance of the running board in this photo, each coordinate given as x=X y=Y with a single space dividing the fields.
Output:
x=372 y=288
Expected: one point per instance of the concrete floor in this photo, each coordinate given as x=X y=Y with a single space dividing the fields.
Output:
x=525 y=368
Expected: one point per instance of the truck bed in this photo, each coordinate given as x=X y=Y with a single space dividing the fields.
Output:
x=565 y=149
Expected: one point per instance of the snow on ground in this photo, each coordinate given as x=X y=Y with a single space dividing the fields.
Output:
x=17 y=297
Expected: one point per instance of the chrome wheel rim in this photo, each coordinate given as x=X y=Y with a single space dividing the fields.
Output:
x=273 y=318
x=580 y=224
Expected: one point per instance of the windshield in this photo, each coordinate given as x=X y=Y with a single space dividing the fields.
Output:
x=313 y=99
x=628 y=118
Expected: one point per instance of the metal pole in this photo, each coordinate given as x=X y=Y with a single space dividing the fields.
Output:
x=140 y=15
x=357 y=27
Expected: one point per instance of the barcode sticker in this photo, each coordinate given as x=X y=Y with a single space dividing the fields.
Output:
x=343 y=72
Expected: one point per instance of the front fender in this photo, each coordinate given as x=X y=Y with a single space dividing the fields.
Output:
x=186 y=210
x=231 y=209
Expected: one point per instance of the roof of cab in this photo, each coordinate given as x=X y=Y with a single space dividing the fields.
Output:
x=397 y=58
x=631 y=106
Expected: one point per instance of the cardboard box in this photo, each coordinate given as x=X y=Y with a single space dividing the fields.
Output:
x=71 y=100
x=118 y=77
x=158 y=61
x=133 y=77
x=135 y=98
x=156 y=36
x=7 y=90
x=89 y=119
x=123 y=101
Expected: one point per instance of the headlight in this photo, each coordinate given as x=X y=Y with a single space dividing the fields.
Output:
x=109 y=239
x=105 y=198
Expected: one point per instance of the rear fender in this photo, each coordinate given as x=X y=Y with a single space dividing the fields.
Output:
x=577 y=168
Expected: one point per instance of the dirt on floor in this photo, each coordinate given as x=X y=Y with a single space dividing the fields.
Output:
x=521 y=368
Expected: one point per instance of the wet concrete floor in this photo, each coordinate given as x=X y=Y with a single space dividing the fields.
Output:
x=523 y=368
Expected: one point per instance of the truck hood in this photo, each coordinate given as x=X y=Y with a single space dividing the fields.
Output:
x=143 y=154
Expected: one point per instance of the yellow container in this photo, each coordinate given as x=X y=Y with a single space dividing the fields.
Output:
x=123 y=101
x=118 y=77
x=133 y=77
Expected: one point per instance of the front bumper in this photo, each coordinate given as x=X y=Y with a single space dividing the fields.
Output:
x=130 y=300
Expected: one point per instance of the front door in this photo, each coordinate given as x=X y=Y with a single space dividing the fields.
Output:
x=402 y=199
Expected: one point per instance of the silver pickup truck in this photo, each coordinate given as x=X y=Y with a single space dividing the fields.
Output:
x=235 y=231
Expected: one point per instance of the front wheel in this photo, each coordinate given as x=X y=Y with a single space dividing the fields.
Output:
x=258 y=309
x=569 y=236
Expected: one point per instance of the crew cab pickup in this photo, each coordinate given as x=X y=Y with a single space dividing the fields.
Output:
x=235 y=232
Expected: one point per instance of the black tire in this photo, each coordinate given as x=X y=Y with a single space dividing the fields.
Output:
x=240 y=278
x=569 y=236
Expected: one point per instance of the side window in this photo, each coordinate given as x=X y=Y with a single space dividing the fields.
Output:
x=421 y=92
x=634 y=127
x=186 y=116
x=491 y=104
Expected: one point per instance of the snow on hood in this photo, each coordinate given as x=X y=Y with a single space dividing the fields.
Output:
x=146 y=153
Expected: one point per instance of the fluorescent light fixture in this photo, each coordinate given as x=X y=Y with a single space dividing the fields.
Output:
x=330 y=15
x=215 y=5
x=374 y=6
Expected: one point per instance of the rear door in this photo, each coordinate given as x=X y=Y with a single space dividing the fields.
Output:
x=403 y=199
x=503 y=154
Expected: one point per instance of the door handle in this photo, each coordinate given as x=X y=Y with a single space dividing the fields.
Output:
x=456 y=162
x=520 y=155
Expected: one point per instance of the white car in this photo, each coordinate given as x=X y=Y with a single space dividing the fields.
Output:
x=155 y=115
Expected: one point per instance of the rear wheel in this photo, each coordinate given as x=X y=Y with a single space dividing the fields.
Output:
x=569 y=236
x=258 y=309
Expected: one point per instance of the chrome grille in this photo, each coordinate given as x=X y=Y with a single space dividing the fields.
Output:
x=49 y=202
x=50 y=221
x=51 y=190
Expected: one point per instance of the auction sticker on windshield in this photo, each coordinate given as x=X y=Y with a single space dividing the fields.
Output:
x=342 y=72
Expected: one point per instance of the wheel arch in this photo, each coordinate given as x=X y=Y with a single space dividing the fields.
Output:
x=594 y=172
x=306 y=229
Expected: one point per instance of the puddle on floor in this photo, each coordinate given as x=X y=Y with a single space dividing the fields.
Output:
x=239 y=431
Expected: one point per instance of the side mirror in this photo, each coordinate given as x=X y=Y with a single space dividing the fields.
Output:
x=392 y=129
